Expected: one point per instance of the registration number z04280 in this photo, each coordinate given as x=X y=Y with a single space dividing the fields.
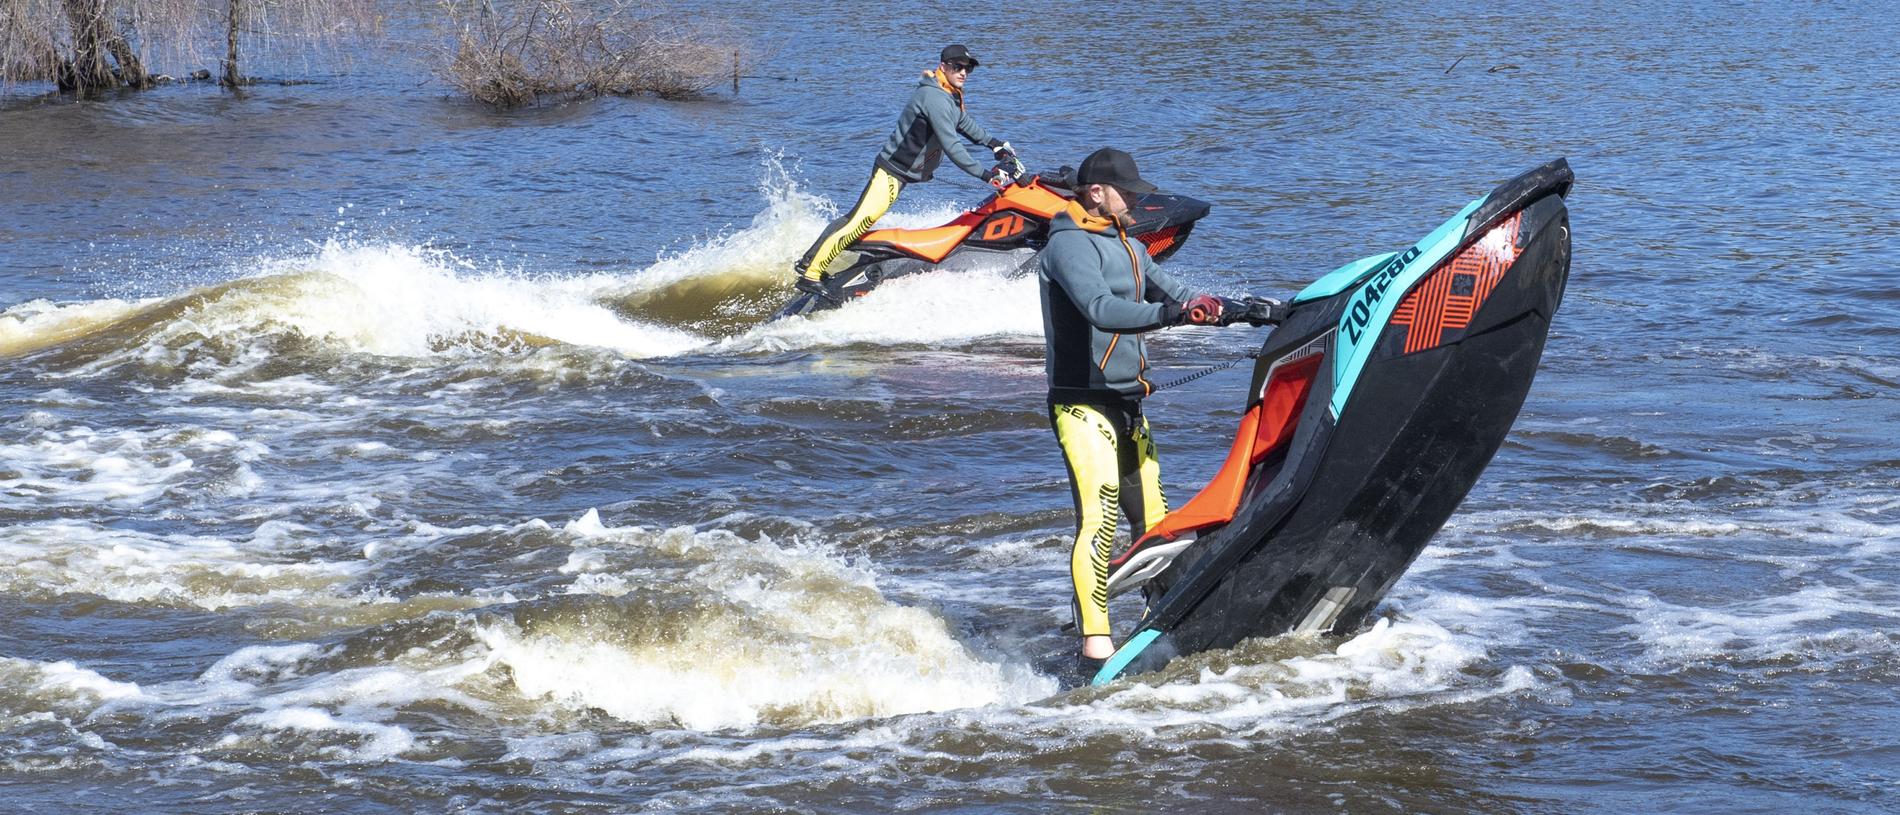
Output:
x=1360 y=314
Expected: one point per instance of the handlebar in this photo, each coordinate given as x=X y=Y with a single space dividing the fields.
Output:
x=1260 y=311
x=1013 y=166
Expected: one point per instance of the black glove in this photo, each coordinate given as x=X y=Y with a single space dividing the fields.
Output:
x=1001 y=148
x=999 y=177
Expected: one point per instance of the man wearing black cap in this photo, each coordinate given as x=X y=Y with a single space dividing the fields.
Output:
x=929 y=128
x=1100 y=293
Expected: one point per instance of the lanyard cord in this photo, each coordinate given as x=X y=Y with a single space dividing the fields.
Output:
x=1206 y=372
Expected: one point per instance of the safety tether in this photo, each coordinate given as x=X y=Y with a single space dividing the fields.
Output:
x=1255 y=354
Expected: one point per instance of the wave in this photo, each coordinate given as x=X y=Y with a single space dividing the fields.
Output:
x=659 y=629
x=729 y=286
x=70 y=558
x=39 y=324
x=418 y=304
x=711 y=631
x=362 y=299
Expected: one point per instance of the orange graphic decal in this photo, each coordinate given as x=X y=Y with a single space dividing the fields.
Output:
x=1003 y=227
x=1159 y=240
x=1446 y=301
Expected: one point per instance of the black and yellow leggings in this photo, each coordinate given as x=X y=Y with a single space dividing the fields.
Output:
x=879 y=193
x=1112 y=463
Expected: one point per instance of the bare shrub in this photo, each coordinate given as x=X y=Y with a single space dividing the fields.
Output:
x=311 y=29
x=519 y=51
x=88 y=45
x=28 y=51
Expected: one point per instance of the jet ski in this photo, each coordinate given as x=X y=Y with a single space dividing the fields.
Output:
x=1375 y=404
x=1012 y=222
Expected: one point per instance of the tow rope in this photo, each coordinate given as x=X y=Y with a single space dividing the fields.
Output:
x=1250 y=355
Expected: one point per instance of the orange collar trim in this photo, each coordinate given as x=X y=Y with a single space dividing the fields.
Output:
x=937 y=74
x=1086 y=221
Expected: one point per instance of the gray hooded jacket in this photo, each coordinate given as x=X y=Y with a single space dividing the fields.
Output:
x=1100 y=292
x=927 y=129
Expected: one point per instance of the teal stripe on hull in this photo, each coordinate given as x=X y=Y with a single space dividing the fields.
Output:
x=1377 y=297
x=1124 y=655
x=1340 y=279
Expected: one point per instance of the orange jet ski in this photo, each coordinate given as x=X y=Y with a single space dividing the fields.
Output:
x=1012 y=225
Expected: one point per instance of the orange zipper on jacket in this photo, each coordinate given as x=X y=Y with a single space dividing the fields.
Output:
x=1093 y=224
x=1140 y=289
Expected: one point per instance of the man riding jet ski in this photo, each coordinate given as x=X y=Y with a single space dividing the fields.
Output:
x=933 y=125
x=1374 y=407
x=1013 y=224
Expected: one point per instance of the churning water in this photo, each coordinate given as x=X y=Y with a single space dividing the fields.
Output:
x=365 y=451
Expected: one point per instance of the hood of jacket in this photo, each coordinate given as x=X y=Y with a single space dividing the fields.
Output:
x=1074 y=217
x=934 y=78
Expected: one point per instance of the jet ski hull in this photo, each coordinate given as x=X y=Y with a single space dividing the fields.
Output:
x=1427 y=357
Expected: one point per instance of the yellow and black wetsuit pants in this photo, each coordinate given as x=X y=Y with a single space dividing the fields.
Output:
x=1112 y=464
x=879 y=193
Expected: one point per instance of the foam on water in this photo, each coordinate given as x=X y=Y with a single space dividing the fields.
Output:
x=59 y=686
x=44 y=713
x=787 y=634
x=759 y=253
x=1390 y=665
x=1271 y=690
x=294 y=700
x=351 y=298
x=934 y=308
x=1818 y=554
x=407 y=301
x=339 y=739
x=78 y=465
x=1613 y=527
x=37 y=324
x=776 y=634
x=404 y=301
x=1761 y=628
x=61 y=557
x=1877 y=368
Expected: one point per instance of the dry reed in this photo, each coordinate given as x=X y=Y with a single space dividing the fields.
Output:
x=523 y=51
x=48 y=40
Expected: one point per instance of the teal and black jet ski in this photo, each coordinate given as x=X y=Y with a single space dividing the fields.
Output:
x=1374 y=406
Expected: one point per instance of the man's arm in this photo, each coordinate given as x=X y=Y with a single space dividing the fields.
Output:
x=1163 y=283
x=944 y=116
x=971 y=130
x=1075 y=266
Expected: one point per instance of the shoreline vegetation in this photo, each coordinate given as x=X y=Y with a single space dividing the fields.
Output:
x=502 y=53
x=517 y=53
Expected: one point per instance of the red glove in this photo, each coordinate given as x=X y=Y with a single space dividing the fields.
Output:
x=1203 y=309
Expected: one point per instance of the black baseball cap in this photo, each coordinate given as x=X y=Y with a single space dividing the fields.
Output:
x=957 y=53
x=1114 y=168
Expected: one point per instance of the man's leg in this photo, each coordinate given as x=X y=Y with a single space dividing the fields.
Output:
x=1142 y=499
x=1089 y=448
x=879 y=193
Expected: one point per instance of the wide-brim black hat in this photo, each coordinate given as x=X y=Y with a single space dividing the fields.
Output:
x=956 y=53
x=1114 y=168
